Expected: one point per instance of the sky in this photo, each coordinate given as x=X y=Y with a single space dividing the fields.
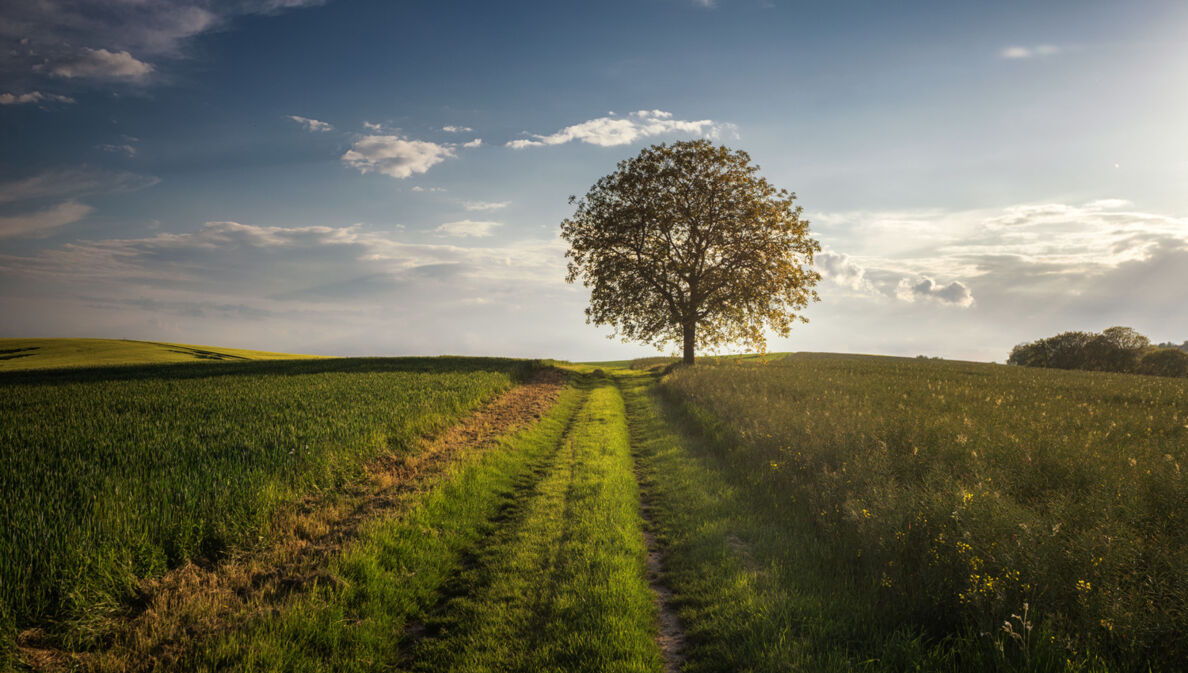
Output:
x=357 y=177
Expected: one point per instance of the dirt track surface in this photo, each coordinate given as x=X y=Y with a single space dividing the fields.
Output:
x=194 y=600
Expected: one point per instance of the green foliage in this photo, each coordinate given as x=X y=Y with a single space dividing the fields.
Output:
x=956 y=493
x=113 y=474
x=1164 y=362
x=686 y=243
x=1117 y=349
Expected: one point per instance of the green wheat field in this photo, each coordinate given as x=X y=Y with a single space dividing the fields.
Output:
x=795 y=512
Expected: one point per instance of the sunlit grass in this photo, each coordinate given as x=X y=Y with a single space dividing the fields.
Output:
x=111 y=475
x=50 y=353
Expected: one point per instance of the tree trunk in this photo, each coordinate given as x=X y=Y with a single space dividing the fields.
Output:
x=690 y=338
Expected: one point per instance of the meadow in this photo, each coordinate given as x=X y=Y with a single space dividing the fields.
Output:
x=113 y=474
x=810 y=512
x=1020 y=518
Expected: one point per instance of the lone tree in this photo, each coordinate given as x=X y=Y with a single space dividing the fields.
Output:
x=686 y=243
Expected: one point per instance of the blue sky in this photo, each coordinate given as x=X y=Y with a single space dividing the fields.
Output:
x=355 y=177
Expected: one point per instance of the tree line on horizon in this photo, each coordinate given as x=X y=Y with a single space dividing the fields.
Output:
x=1117 y=349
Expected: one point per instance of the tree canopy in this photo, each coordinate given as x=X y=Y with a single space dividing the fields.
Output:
x=1116 y=349
x=686 y=243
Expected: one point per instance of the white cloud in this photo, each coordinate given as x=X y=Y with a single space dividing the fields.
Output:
x=73 y=182
x=395 y=156
x=419 y=188
x=843 y=270
x=468 y=228
x=33 y=97
x=309 y=289
x=473 y=143
x=1019 y=52
x=1029 y=257
x=484 y=205
x=312 y=125
x=372 y=126
x=126 y=149
x=456 y=129
x=956 y=292
x=614 y=131
x=100 y=64
x=43 y=222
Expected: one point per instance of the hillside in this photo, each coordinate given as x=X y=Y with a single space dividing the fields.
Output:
x=51 y=353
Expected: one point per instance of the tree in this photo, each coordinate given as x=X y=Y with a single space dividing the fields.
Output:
x=686 y=243
x=1164 y=362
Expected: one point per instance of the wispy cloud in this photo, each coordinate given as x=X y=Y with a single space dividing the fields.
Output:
x=303 y=289
x=1022 y=52
x=395 y=156
x=312 y=125
x=73 y=182
x=468 y=228
x=473 y=143
x=99 y=64
x=43 y=222
x=613 y=131
x=484 y=205
x=112 y=41
x=1039 y=253
x=126 y=149
x=33 y=97
x=456 y=129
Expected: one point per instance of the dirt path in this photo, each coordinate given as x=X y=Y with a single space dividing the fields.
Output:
x=669 y=634
x=174 y=610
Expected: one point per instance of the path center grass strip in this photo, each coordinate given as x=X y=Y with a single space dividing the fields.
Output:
x=563 y=587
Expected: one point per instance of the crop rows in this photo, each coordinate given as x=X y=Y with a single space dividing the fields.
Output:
x=110 y=475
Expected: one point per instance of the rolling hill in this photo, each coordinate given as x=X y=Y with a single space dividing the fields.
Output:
x=51 y=353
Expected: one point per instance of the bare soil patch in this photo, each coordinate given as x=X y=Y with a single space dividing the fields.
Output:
x=171 y=612
x=669 y=634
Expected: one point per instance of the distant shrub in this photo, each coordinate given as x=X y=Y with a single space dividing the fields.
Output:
x=1164 y=362
x=653 y=363
x=1117 y=349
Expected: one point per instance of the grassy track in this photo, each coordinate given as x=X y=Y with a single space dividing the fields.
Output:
x=110 y=475
x=18 y=354
x=399 y=568
x=563 y=587
x=742 y=605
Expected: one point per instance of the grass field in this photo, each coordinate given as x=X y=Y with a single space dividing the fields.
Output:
x=113 y=474
x=45 y=353
x=1044 y=509
x=812 y=512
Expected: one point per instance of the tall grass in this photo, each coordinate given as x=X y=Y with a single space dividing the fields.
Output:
x=959 y=493
x=109 y=475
